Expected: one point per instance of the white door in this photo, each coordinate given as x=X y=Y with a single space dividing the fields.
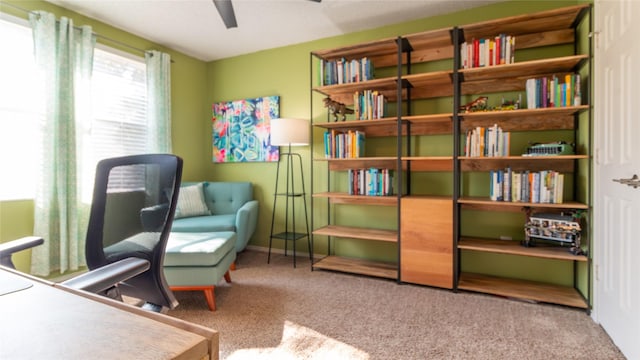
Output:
x=617 y=156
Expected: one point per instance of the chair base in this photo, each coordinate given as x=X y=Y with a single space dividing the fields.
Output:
x=208 y=290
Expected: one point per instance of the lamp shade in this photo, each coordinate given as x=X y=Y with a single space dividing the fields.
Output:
x=294 y=132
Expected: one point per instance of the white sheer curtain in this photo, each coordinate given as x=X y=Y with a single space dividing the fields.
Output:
x=64 y=56
x=158 y=101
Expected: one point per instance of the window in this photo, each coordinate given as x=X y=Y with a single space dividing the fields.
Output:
x=118 y=125
x=19 y=111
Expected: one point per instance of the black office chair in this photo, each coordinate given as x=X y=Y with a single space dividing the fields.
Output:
x=134 y=202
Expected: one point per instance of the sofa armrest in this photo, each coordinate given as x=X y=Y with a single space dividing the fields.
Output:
x=246 y=222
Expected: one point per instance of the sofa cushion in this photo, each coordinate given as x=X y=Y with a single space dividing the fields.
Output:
x=198 y=249
x=191 y=202
x=210 y=223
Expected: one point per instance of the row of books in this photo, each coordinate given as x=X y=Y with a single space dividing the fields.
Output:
x=369 y=105
x=343 y=71
x=544 y=187
x=344 y=145
x=499 y=50
x=370 y=182
x=554 y=91
x=487 y=142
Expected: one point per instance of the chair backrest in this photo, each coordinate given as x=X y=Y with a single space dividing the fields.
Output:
x=134 y=201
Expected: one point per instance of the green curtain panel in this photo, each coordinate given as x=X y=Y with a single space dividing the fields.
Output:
x=64 y=56
x=158 y=101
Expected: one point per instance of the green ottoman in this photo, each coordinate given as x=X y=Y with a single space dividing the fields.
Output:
x=198 y=261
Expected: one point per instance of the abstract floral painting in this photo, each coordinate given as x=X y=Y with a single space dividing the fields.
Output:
x=241 y=130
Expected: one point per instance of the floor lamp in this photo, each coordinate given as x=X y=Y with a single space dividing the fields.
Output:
x=290 y=132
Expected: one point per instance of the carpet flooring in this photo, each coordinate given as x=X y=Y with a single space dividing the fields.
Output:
x=273 y=311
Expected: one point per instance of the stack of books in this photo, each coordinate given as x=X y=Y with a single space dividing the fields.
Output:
x=344 y=145
x=371 y=182
x=369 y=105
x=544 y=187
x=499 y=50
x=343 y=71
x=487 y=142
x=554 y=91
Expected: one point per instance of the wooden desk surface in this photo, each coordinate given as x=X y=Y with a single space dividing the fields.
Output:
x=46 y=322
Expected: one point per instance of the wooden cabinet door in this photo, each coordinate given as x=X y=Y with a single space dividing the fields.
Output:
x=426 y=235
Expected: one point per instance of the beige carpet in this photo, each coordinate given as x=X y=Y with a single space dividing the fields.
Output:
x=273 y=311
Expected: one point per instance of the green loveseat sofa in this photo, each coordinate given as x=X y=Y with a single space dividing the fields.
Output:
x=228 y=206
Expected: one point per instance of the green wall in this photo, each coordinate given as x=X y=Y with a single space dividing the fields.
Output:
x=284 y=71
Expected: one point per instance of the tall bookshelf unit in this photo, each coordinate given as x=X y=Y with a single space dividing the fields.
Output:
x=446 y=229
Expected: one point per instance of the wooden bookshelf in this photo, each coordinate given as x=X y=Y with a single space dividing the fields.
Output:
x=410 y=56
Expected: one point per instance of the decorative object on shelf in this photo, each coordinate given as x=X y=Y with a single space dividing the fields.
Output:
x=509 y=104
x=290 y=132
x=241 y=130
x=559 y=229
x=337 y=108
x=479 y=104
x=550 y=149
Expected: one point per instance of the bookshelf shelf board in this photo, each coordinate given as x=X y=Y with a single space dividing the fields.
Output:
x=496 y=74
x=371 y=49
x=485 y=201
x=430 y=163
x=361 y=163
x=522 y=289
x=344 y=92
x=513 y=247
x=358 y=266
x=557 y=118
x=358 y=233
x=430 y=85
x=561 y=163
x=345 y=198
x=357 y=124
x=544 y=21
x=420 y=125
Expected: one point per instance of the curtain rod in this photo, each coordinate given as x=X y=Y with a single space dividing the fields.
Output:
x=94 y=33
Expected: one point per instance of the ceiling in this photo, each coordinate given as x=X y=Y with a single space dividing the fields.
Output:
x=195 y=28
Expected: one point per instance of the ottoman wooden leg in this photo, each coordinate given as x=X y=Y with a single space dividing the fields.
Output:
x=227 y=276
x=209 y=295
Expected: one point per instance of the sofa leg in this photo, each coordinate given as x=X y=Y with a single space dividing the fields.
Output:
x=233 y=266
x=227 y=277
x=209 y=295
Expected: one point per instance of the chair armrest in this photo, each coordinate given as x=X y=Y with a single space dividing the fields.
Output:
x=7 y=249
x=105 y=277
x=246 y=221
